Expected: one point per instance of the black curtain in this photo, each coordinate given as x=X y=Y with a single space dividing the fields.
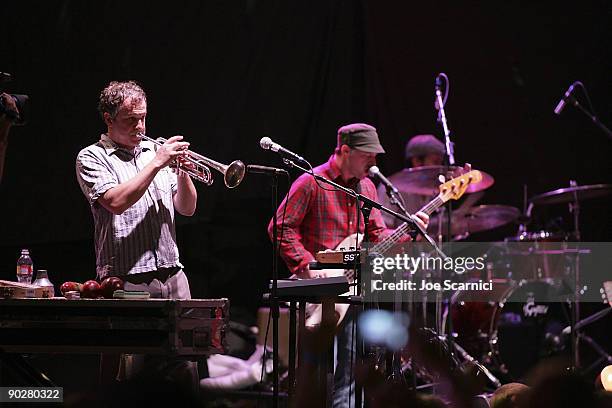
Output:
x=224 y=74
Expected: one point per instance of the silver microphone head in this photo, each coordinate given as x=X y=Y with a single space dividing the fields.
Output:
x=373 y=171
x=265 y=143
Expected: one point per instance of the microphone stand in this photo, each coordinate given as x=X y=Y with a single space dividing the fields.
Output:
x=572 y=100
x=395 y=373
x=396 y=199
x=450 y=149
x=274 y=289
x=450 y=161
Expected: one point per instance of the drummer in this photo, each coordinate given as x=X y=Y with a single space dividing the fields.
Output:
x=421 y=150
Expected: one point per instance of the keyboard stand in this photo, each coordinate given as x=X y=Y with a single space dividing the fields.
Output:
x=323 y=361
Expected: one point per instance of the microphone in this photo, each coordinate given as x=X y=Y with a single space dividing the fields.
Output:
x=267 y=144
x=438 y=97
x=438 y=83
x=257 y=169
x=375 y=172
x=563 y=101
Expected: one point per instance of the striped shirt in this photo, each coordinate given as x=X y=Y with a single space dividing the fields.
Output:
x=143 y=238
x=318 y=219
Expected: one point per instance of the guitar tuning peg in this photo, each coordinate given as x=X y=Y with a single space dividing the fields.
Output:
x=467 y=167
x=441 y=178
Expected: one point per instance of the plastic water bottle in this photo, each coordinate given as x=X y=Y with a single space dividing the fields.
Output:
x=25 y=267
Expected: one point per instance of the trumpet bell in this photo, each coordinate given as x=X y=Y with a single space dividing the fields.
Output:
x=234 y=173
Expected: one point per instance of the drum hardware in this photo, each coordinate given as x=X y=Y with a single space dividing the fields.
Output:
x=515 y=317
x=572 y=196
x=604 y=356
x=525 y=217
x=455 y=356
x=520 y=330
x=534 y=255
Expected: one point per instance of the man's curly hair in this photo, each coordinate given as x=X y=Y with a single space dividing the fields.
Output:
x=115 y=93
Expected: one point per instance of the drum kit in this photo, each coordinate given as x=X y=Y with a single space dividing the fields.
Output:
x=521 y=324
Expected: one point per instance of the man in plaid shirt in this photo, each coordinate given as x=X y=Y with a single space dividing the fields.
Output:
x=318 y=217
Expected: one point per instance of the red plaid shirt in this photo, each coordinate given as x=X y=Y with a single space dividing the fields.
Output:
x=317 y=219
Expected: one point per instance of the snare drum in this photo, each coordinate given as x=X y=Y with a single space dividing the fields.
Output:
x=515 y=332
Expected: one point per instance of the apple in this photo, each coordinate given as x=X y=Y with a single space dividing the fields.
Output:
x=110 y=285
x=70 y=286
x=90 y=289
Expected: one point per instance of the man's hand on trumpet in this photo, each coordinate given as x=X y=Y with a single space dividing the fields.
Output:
x=173 y=149
x=181 y=166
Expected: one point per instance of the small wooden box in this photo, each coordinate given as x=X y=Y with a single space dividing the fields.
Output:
x=16 y=290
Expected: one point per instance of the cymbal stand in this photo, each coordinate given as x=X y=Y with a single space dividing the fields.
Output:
x=526 y=215
x=576 y=325
x=574 y=209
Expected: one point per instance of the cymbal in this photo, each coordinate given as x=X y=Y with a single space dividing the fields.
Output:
x=570 y=194
x=476 y=219
x=424 y=180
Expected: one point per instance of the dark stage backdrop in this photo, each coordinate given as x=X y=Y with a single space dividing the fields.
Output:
x=226 y=73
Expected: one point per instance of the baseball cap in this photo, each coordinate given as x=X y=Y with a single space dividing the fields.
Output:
x=360 y=136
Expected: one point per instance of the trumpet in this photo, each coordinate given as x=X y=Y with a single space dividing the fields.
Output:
x=232 y=173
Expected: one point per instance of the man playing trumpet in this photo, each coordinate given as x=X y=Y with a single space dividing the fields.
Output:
x=133 y=194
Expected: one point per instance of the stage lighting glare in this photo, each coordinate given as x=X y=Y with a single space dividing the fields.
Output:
x=382 y=327
x=606 y=377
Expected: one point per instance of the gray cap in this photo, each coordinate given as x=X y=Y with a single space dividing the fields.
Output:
x=422 y=145
x=361 y=137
